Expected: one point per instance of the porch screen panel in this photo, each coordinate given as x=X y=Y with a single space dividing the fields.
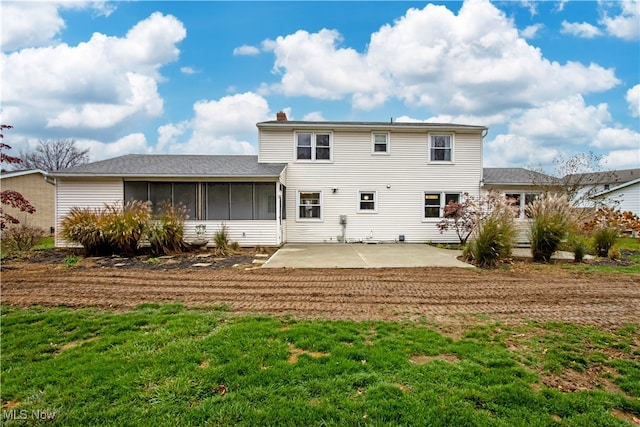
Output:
x=185 y=193
x=265 y=200
x=218 y=201
x=159 y=192
x=241 y=201
x=136 y=190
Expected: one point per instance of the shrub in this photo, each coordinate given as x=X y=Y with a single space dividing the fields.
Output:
x=614 y=253
x=166 y=230
x=495 y=234
x=579 y=247
x=21 y=237
x=221 y=238
x=124 y=227
x=550 y=221
x=85 y=227
x=603 y=239
x=71 y=260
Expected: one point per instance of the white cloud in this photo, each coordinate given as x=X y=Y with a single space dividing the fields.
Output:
x=102 y=83
x=312 y=65
x=188 y=70
x=246 y=50
x=472 y=63
x=509 y=150
x=625 y=25
x=132 y=143
x=612 y=138
x=38 y=23
x=633 y=99
x=566 y=121
x=583 y=30
x=622 y=159
x=222 y=126
x=314 y=116
x=531 y=31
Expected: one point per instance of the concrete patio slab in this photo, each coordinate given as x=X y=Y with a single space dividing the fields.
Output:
x=358 y=255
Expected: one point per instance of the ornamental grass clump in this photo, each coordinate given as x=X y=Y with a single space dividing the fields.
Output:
x=550 y=222
x=166 y=230
x=124 y=226
x=85 y=226
x=603 y=240
x=494 y=235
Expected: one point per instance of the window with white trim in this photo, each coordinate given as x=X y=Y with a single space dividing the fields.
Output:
x=367 y=201
x=309 y=205
x=380 y=143
x=520 y=201
x=313 y=146
x=440 y=147
x=435 y=202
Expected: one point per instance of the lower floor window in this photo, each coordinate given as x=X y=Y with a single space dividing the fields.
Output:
x=367 y=202
x=520 y=202
x=434 y=203
x=309 y=205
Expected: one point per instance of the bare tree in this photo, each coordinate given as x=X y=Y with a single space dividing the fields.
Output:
x=53 y=155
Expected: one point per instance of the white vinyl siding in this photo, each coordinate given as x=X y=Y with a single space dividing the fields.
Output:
x=84 y=194
x=399 y=181
x=95 y=193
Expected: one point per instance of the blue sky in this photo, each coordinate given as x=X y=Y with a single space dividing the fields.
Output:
x=549 y=79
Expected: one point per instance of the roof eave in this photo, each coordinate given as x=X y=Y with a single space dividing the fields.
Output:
x=378 y=126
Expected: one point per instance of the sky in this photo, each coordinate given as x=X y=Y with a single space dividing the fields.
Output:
x=550 y=79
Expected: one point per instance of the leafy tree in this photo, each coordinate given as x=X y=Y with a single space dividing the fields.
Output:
x=53 y=155
x=10 y=197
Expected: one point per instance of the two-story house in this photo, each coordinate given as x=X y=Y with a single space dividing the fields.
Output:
x=311 y=182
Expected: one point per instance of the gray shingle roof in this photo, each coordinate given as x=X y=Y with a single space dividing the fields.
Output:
x=606 y=177
x=515 y=176
x=165 y=165
x=370 y=125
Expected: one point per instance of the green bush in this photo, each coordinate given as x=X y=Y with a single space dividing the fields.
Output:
x=166 y=230
x=550 y=221
x=492 y=243
x=221 y=238
x=603 y=239
x=85 y=227
x=578 y=245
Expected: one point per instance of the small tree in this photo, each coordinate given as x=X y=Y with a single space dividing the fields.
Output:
x=53 y=155
x=10 y=197
x=462 y=217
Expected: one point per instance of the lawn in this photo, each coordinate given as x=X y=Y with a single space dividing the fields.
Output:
x=168 y=365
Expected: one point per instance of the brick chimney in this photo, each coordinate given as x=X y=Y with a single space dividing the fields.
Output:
x=281 y=116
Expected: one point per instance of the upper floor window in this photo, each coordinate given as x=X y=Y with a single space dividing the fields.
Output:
x=441 y=148
x=313 y=146
x=380 y=143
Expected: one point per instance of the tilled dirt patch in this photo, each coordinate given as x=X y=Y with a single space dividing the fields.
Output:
x=438 y=295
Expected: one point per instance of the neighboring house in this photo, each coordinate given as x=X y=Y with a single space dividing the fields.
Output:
x=626 y=196
x=311 y=182
x=40 y=193
x=596 y=186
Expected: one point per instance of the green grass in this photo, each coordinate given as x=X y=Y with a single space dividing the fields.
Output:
x=45 y=243
x=626 y=243
x=167 y=365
